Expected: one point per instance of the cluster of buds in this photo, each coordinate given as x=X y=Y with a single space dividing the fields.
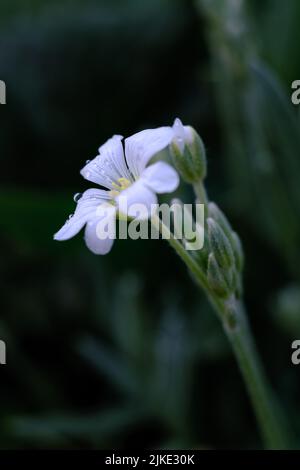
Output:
x=222 y=256
x=225 y=259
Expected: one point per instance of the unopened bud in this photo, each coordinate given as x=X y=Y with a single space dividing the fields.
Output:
x=216 y=278
x=237 y=250
x=220 y=244
x=215 y=213
x=188 y=153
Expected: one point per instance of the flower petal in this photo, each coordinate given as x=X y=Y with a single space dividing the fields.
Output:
x=99 y=245
x=140 y=147
x=85 y=211
x=109 y=165
x=137 y=193
x=114 y=152
x=160 y=177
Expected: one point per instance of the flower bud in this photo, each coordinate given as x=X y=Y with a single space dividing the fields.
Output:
x=216 y=278
x=220 y=244
x=215 y=213
x=238 y=285
x=238 y=251
x=188 y=153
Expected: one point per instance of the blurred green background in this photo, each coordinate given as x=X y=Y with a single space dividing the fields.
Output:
x=123 y=350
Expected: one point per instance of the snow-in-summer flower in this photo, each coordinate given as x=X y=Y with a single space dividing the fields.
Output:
x=123 y=172
x=217 y=269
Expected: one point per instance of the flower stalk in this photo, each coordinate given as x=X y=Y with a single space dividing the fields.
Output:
x=218 y=271
x=232 y=315
x=263 y=401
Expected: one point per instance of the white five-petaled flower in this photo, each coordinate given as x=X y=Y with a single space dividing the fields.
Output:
x=121 y=173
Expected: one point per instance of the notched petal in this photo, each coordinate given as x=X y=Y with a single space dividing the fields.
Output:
x=161 y=178
x=86 y=210
x=97 y=243
x=141 y=147
x=109 y=165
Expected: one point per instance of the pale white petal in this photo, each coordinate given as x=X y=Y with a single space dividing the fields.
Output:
x=99 y=245
x=160 y=177
x=114 y=152
x=137 y=193
x=109 y=165
x=140 y=147
x=85 y=211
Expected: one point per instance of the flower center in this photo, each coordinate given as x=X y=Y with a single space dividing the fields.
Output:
x=122 y=183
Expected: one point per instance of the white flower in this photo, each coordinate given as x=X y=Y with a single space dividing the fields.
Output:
x=122 y=173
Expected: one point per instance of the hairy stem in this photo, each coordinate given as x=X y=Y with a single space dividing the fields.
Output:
x=263 y=401
x=233 y=318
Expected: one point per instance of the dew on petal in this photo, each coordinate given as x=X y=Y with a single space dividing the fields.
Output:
x=77 y=197
x=69 y=218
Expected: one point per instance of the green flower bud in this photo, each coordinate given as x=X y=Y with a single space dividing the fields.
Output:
x=216 y=278
x=238 y=285
x=188 y=153
x=237 y=250
x=215 y=213
x=220 y=244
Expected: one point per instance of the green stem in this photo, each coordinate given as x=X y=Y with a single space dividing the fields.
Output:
x=263 y=401
x=200 y=192
x=234 y=320
x=178 y=247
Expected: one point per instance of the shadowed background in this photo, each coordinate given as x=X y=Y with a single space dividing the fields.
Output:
x=123 y=350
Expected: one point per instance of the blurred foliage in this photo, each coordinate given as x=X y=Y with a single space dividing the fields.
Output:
x=123 y=351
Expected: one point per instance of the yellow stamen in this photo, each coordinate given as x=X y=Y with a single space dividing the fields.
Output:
x=123 y=183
